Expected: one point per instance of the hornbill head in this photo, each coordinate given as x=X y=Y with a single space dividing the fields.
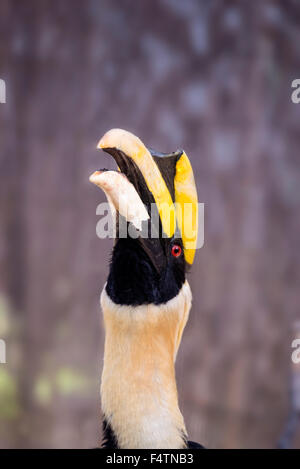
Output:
x=154 y=196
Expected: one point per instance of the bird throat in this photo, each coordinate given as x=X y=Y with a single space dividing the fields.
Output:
x=138 y=388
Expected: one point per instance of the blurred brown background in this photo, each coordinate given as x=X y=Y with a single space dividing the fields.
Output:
x=213 y=77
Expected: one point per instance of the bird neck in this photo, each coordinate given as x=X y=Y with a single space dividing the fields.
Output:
x=138 y=389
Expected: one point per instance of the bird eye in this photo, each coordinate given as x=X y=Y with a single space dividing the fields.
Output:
x=176 y=250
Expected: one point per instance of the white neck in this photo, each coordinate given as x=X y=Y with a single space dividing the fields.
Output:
x=138 y=389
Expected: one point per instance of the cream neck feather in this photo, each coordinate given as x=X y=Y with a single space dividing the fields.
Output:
x=138 y=389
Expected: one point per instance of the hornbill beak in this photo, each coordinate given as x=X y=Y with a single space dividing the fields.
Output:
x=149 y=182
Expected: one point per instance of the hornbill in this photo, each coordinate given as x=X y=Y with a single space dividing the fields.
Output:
x=146 y=299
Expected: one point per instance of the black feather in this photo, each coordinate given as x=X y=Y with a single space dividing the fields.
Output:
x=109 y=438
x=133 y=280
x=194 y=445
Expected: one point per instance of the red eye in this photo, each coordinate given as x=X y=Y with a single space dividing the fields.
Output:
x=176 y=250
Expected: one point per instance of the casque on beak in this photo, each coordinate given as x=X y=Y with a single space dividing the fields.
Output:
x=148 y=179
